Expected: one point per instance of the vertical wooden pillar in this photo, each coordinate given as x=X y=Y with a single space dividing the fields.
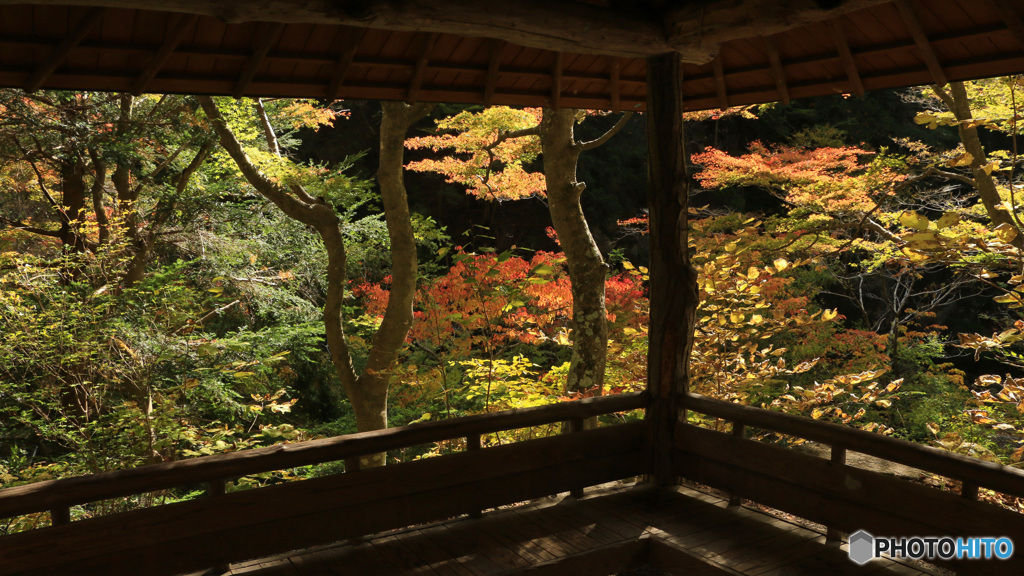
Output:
x=673 y=280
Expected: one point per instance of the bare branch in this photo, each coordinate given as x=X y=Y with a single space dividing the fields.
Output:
x=623 y=120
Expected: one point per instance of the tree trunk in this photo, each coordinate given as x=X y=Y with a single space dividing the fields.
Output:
x=958 y=103
x=367 y=392
x=586 y=265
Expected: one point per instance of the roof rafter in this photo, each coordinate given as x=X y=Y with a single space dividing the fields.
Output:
x=60 y=52
x=493 y=70
x=348 y=53
x=183 y=24
x=924 y=46
x=269 y=38
x=424 y=48
x=846 y=56
x=777 y=71
x=559 y=25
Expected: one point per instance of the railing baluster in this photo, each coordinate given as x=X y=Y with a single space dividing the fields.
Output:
x=969 y=491
x=352 y=464
x=60 y=516
x=738 y=431
x=473 y=444
x=576 y=425
x=838 y=458
x=216 y=488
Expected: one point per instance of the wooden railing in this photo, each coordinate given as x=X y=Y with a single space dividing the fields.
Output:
x=833 y=493
x=238 y=525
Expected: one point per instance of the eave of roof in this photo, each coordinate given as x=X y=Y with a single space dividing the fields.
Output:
x=879 y=45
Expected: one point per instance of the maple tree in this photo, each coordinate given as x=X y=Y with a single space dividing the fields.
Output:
x=489 y=153
x=285 y=184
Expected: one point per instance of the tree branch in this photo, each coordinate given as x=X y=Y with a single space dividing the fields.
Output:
x=607 y=135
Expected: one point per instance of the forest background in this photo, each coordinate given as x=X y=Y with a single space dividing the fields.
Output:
x=171 y=268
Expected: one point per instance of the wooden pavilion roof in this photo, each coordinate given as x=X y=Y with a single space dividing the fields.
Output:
x=589 y=54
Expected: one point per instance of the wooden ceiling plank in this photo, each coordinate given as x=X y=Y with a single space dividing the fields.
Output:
x=252 y=65
x=615 y=83
x=556 y=81
x=82 y=29
x=1011 y=18
x=425 y=47
x=846 y=56
x=493 y=71
x=777 y=71
x=345 y=59
x=156 y=62
x=722 y=91
x=924 y=46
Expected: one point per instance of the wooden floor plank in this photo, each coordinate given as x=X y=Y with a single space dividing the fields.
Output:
x=557 y=533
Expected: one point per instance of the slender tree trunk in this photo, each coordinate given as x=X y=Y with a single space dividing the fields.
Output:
x=368 y=392
x=587 y=268
x=958 y=103
x=375 y=380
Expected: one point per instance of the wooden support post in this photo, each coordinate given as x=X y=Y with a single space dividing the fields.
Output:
x=738 y=431
x=838 y=458
x=473 y=444
x=60 y=516
x=673 y=293
x=576 y=425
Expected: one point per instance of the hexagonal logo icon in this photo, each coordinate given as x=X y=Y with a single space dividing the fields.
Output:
x=862 y=547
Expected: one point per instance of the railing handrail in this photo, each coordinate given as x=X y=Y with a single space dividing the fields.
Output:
x=964 y=468
x=65 y=492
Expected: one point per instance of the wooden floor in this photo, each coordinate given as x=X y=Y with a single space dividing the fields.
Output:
x=610 y=530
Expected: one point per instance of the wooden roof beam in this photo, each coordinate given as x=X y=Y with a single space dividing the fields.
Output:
x=270 y=36
x=183 y=24
x=712 y=23
x=924 y=46
x=777 y=72
x=60 y=52
x=846 y=56
x=426 y=46
x=693 y=32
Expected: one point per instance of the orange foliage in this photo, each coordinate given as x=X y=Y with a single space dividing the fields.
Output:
x=829 y=179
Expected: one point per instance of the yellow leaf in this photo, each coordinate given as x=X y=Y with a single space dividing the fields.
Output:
x=781 y=264
x=1006 y=232
x=933 y=428
x=829 y=315
x=948 y=219
x=753 y=273
x=884 y=403
x=911 y=219
x=817 y=413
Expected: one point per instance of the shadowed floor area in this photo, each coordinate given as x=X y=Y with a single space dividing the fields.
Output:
x=613 y=529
